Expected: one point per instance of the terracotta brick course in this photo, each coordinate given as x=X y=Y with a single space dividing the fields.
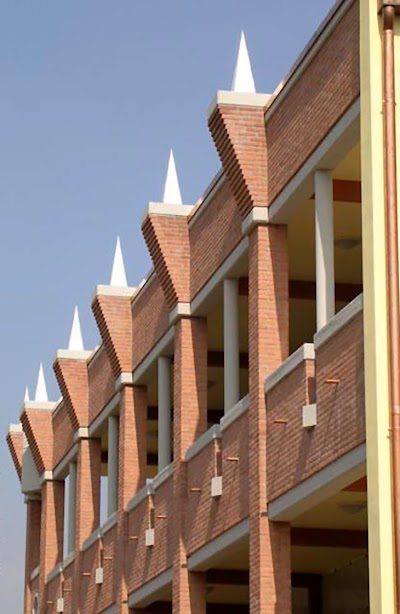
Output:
x=38 y=428
x=72 y=377
x=15 y=442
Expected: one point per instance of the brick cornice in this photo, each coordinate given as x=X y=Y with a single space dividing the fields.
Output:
x=167 y=239
x=38 y=428
x=15 y=442
x=72 y=377
x=113 y=315
x=236 y=122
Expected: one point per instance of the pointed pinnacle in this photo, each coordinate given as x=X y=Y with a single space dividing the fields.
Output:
x=118 y=275
x=75 y=338
x=243 y=80
x=41 y=391
x=172 y=192
x=26 y=396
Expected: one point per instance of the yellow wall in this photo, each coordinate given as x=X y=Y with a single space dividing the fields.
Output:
x=376 y=367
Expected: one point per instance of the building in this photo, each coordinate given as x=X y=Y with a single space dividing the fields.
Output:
x=243 y=396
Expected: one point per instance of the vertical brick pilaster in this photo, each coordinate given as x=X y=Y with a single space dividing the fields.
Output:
x=32 y=548
x=131 y=475
x=190 y=421
x=270 y=567
x=51 y=533
x=87 y=513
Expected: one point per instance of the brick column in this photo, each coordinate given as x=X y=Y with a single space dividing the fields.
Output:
x=32 y=547
x=270 y=566
x=131 y=475
x=51 y=532
x=190 y=421
x=87 y=517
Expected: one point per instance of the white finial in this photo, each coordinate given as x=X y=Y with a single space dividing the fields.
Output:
x=243 y=80
x=118 y=275
x=172 y=191
x=41 y=392
x=26 y=397
x=75 y=338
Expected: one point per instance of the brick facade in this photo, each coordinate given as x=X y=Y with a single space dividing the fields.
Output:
x=169 y=545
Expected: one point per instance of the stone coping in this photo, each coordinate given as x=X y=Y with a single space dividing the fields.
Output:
x=141 y=495
x=235 y=413
x=339 y=321
x=162 y=476
x=304 y=352
x=214 y=432
x=100 y=531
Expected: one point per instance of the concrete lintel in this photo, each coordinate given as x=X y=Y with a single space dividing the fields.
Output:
x=345 y=470
x=121 y=291
x=181 y=310
x=141 y=495
x=238 y=99
x=158 y=350
x=220 y=274
x=163 y=476
x=203 y=558
x=104 y=414
x=214 y=432
x=339 y=321
x=304 y=352
x=147 y=593
x=125 y=379
x=166 y=209
x=258 y=216
x=234 y=414
x=337 y=143
x=73 y=355
x=61 y=469
x=34 y=573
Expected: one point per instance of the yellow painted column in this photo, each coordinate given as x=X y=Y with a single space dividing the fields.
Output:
x=381 y=568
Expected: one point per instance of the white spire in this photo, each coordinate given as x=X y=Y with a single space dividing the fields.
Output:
x=41 y=392
x=172 y=191
x=75 y=338
x=26 y=397
x=243 y=80
x=118 y=275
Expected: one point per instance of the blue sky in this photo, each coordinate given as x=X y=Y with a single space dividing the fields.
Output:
x=93 y=94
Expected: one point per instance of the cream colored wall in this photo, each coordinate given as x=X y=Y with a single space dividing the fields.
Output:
x=376 y=367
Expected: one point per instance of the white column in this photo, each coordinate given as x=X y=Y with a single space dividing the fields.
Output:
x=324 y=248
x=72 y=507
x=112 y=482
x=231 y=344
x=164 y=412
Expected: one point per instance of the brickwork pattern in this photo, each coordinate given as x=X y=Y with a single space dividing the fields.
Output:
x=240 y=138
x=167 y=239
x=32 y=548
x=15 y=442
x=316 y=102
x=270 y=581
x=213 y=236
x=72 y=378
x=101 y=384
x=38 y=428
x=113 y=316
x=63 y=434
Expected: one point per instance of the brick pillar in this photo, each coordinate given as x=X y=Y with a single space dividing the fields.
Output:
x=131 y=476
x=32 y=547
x=270 y=566
x=190 y=421
x=51 y=532
x=87 y=513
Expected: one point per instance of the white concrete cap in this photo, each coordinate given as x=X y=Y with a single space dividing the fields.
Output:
x=75 y=339
x=41 y=391
x=26 y=396
x=118 y=275
x=243 y=80
x=172 y=192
